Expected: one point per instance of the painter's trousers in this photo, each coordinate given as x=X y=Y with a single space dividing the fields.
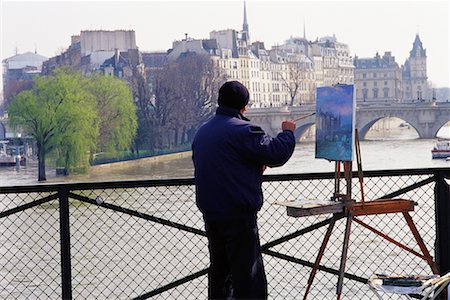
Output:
x=236 y=269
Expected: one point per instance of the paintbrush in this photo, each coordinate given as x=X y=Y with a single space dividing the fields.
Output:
x=304 y=117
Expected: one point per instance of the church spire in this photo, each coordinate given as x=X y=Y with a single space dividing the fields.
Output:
x=417 y=50
x=304 y=29
x=245 y=33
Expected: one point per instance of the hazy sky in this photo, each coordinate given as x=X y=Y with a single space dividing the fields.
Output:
x=366 y=26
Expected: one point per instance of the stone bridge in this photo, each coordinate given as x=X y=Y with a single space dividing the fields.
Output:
x=427 y=118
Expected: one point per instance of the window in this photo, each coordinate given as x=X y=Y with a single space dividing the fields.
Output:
x=374 y=75
x=386 y=92
x=364 y=94
x=375 y=83
x=364 y=83
x=375 y=93
x=385 y=83
x=364 y=75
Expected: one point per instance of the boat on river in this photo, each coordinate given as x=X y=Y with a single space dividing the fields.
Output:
x=8 y=160
x=10 y=156
x=442 y=149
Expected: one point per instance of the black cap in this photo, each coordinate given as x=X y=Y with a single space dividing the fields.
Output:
x=233 y=94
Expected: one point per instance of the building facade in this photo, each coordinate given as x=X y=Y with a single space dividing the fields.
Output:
x=112 y=53
x=106 y=40
x=381 y=79
x=18 y=72
x=378 y=79
x=284 y=75
x=414 y=72
x=100 y=50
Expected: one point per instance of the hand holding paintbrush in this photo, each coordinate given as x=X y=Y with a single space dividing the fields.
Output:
x=290 y=124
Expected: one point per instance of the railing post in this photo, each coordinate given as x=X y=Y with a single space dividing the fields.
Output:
x=442 y=211
x=66 y=277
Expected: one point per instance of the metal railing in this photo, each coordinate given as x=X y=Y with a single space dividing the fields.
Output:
x=142 y=239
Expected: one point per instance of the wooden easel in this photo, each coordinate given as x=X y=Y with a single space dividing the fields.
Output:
x=344 y=206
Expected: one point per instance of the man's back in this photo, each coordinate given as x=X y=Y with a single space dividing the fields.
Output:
x=229 y=154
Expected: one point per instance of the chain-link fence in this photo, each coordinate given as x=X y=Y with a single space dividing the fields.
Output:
x=145 y=239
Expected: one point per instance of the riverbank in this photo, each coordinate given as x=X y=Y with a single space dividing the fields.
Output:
x=376 y=155
x=174 y=165
x=137 y=162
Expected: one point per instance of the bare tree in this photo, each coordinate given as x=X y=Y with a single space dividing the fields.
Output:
x=142 y=96
x=185 y=96
x=199 y=90
x=292 y=80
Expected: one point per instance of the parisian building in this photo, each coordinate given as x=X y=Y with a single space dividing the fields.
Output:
x=414 y=74
x=381 y=79
x=112 y=52
x=18 y=72
x=286 y=74
x=378 y=79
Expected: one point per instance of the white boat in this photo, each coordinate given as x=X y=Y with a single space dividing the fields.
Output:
x=7 y=158
x=442 y=149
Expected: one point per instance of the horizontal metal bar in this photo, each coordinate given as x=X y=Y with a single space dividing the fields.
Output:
x=20 y=208
x=173 y=284
x=190 y=181
x=96 y=185
x=367 y=174
x=139 y=215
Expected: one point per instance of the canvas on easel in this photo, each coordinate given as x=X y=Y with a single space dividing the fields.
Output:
x=335 y=122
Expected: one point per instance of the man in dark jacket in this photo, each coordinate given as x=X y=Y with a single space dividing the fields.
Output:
x=230 y=155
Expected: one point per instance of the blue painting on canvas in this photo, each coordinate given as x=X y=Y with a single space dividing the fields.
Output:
x=335 y=122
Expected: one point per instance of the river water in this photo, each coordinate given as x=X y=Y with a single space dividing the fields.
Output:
x=401 y=150
x=383 y=150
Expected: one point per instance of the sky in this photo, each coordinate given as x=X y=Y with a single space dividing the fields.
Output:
x=367 y=26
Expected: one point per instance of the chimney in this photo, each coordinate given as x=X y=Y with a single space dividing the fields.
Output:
x=116 y=56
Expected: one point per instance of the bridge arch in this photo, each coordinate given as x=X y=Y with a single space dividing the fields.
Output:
x=425 y=128
x=363 y=129
x=441 y=126
x=426 y=118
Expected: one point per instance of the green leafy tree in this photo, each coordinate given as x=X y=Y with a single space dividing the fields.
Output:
x=62 y=117
x=116 y=110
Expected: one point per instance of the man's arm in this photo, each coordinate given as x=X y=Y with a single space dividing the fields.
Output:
x=271 y=151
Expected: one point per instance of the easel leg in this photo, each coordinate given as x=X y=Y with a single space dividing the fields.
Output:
x=319 y=256
x=420 y=242
x=344 y=254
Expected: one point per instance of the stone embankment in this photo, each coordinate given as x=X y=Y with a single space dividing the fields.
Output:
x=140 y=161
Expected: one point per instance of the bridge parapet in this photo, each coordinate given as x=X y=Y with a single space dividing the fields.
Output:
x=427 y=118
x=270 y=118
